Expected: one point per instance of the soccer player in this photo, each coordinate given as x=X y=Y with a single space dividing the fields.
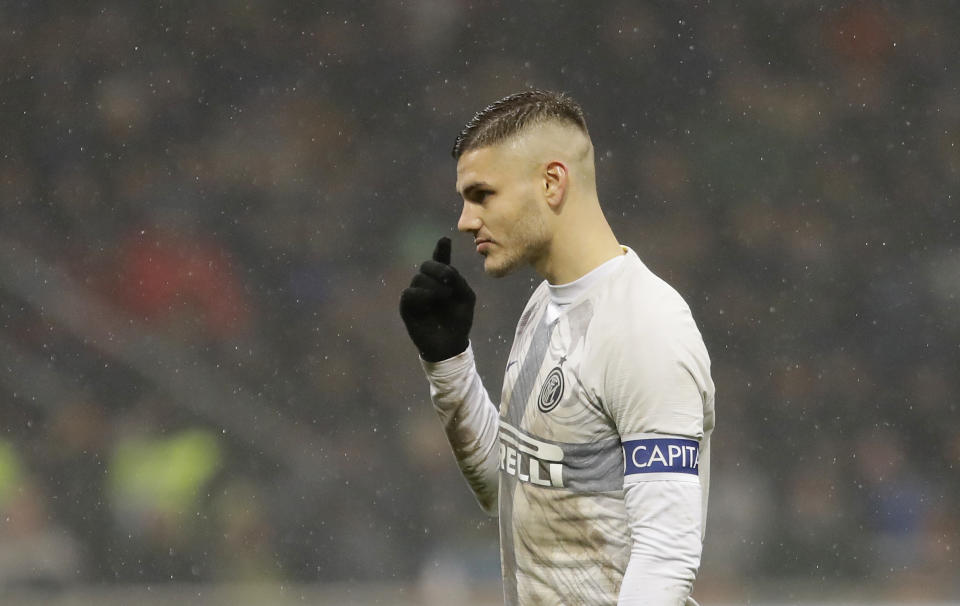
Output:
x=598 y=458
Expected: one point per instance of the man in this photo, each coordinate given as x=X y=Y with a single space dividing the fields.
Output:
x=598 y=458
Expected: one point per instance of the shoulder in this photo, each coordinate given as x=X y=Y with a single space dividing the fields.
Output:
x=647 y=358
x=638 y=304
x=643 y=330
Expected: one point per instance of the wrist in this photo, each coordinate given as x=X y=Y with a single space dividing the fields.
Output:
x=451 y=351
x=449 y=366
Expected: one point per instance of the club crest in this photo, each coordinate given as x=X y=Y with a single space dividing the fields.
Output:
x=552 y=391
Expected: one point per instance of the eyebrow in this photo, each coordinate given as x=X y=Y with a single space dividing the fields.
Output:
x=470 y=189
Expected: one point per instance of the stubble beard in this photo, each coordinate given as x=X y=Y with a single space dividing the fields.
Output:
x=528 y=242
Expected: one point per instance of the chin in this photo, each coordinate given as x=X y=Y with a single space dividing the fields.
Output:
x=499 y=270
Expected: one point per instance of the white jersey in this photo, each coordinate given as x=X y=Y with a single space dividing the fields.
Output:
x=603 y=432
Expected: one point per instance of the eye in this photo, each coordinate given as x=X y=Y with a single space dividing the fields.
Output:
x=480 y=195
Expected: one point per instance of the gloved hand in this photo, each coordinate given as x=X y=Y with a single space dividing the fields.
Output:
x=437 y=307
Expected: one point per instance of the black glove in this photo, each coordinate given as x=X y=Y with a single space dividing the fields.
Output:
x=437 y=307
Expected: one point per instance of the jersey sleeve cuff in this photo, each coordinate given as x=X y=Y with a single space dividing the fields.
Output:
x=451 y=368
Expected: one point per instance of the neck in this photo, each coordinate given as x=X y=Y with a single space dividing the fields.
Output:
x=582 y=242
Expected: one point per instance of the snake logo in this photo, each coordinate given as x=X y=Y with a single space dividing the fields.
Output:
x=552 y=391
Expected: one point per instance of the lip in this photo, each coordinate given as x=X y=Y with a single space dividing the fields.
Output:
x=482 y=244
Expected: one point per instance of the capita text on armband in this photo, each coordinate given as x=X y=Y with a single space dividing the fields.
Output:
x=661 y=455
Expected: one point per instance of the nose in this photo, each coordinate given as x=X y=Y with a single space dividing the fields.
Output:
x=469 y=221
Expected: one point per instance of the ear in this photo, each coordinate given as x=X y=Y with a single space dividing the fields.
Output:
x=556 y=180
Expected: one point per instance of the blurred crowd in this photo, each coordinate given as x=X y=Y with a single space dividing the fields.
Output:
x=234 y=194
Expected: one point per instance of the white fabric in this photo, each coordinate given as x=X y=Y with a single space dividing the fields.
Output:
x=665 y=525
x=613 y=355
x=470 y=421
x=562 y=295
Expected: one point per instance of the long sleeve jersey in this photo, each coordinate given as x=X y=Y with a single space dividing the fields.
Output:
x=598 y=458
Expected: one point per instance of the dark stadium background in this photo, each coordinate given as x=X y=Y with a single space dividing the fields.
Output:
x=208 y=211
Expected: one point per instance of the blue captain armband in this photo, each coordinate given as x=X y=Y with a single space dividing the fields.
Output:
x=661 y=458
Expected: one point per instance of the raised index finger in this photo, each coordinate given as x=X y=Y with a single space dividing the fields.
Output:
x=441 y=253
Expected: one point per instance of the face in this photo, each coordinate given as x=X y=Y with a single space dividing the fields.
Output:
x=502 y=208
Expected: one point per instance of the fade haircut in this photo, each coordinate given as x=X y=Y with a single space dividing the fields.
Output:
x=512 y=114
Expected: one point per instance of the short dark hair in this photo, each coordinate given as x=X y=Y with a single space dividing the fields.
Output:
x=510 y=115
